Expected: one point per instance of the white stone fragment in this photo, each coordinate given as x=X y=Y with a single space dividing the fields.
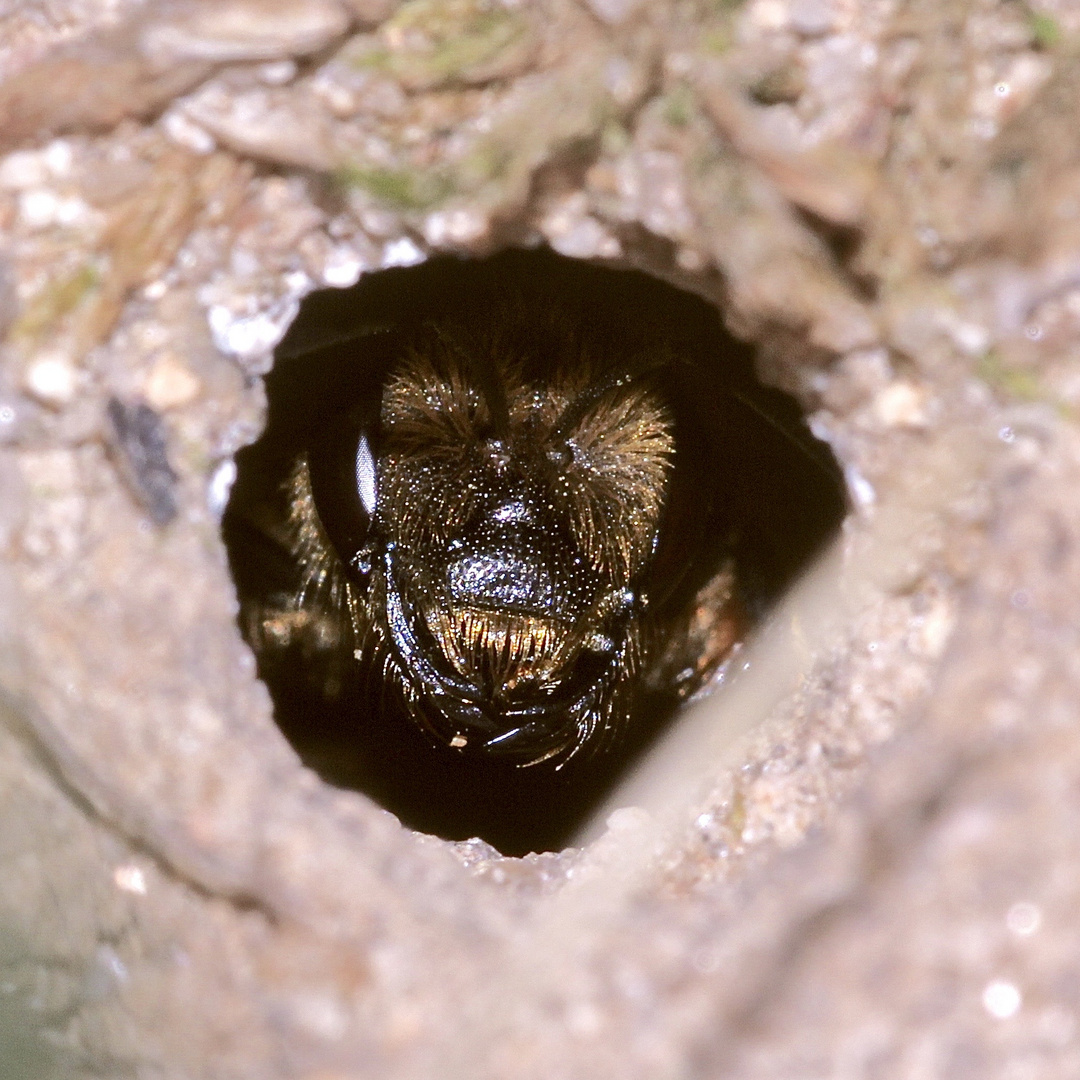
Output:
x=278 y=73
x=401 y=252
x=573 y=232
x=52 y=379
x=171 y=384
x=932 y=633
x=769 y=14
x=40 y=208
x=454 y=227
x=130 y=879
x=1002 y=999
x=251 y=337
x=343 y=267
x=587 y=239
x=23 y=169
x=37 y=208
x=901 y=404
x=221 y=482
x=185 y=132
x=228 y=31
x=58 y=158
x=861 y=490
x=971 y=337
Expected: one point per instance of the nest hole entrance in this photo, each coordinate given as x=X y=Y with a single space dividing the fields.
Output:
x=742 y=499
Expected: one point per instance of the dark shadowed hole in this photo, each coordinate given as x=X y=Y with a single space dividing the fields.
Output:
x=780 y=499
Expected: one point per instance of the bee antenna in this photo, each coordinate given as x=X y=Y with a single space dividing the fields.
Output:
x=818 y=457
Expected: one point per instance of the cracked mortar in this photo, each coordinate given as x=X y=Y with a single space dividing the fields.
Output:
x=857 y=859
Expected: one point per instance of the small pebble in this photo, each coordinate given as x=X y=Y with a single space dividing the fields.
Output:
x=901 y=404
x=170 y=384
x=52 y=380
x=401 y=252
x=130 y=879
x=1001 y=999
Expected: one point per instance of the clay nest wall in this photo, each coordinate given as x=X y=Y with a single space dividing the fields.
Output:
x=859 y=860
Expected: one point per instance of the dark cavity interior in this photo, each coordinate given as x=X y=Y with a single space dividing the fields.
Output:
x=773 y=496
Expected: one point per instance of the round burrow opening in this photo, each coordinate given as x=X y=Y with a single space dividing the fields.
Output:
x=507 y=515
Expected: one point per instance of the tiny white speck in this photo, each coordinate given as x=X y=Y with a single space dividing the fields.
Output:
x=971 y=337
x=130 y=879
x=7 y=414
x=862 y=491
x=1002 y=89
x=71 y=210
x=1023 y=918
x=401 y=252
x=454 y=226
x=819 y=427
x=1001 y=999
x=184 y=131
x=1007 y=435
x=251 y=336
x=278 y=72
x=1033 y=331
x=343 y=268
x=298 y=283
x=38 y=208
x=52 y=380
x=58 y=157
x=217 y=492
x=770 y=14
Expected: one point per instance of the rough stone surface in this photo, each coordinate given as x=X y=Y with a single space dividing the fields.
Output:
x=858 y=858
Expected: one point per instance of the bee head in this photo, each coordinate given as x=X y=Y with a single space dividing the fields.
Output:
x=514 y=503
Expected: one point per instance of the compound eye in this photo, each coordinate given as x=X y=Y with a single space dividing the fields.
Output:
x=365 y=476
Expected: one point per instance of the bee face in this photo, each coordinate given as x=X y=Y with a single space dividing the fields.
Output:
x=509 y=511
x=512 y=506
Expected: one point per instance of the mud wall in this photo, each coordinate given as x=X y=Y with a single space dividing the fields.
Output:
x=860 y=858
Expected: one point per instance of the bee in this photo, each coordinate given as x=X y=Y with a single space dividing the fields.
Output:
x=518 y=508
